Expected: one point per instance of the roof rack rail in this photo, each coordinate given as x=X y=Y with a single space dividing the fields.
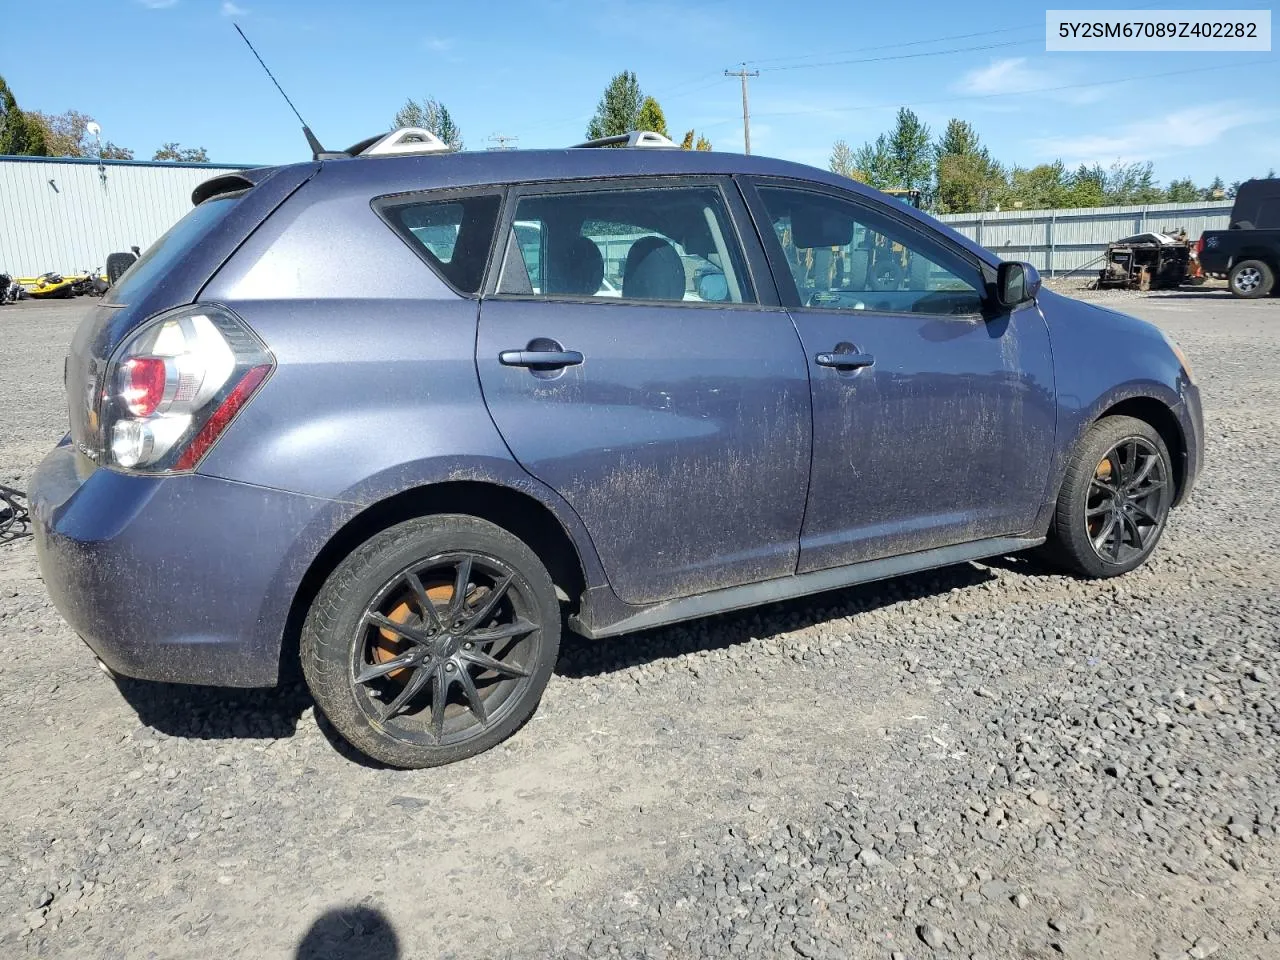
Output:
x=636 y=138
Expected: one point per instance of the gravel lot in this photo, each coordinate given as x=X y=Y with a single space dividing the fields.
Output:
x=986 y=761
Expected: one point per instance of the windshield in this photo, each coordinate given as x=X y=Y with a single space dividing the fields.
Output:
x=162 y=254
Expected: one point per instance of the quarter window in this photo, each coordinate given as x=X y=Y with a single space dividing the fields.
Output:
x=847 y=256
x=667 y=244
x=453 y=235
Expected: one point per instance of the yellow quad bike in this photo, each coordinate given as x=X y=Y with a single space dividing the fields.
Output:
x=55 y=286
x=48 y=286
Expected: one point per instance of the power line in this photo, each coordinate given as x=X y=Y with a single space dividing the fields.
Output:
x=892 y=46
x=1038 y=25
x=1006 y=93
x=903 y=56
x=742 y=75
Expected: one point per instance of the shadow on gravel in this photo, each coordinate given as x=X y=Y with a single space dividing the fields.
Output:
x=217 y=713
x=580 y=657
x=350 y=933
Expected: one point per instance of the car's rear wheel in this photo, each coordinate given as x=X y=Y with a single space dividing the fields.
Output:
x=1115 y=499
x=432 y=641
x=1250 y=279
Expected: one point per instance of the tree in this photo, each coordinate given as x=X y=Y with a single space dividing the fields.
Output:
x=910 y=150
x=20 y=134
x=901 y=158
x=651 y=117
x=1214 y=191
x=958 y=140
x=966 y=178
x=968 y=182
x=842 y=161
x=1088 y=186
x=111 y=151
x=619 y=108
x=1182 y=191
x=875 y=161
x=177 y=152
x=1038 y=188
x=67 y=134
x=688 y=142
x=430 y=114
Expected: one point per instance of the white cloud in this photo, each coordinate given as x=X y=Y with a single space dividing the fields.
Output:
x=230 y=9
x=1009 y=75
x=438 y=44
x=1014 y=75
x=158 y=4
x=1186 y=129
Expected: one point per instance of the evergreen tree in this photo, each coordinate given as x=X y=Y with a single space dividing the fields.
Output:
x=650 y=117
x=429 y=114
x=20 y=133
x=619 y=108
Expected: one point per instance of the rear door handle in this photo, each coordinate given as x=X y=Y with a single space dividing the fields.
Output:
x=539 y=358
x=845 y=361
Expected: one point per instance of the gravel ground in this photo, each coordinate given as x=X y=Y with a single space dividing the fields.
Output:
x=985 y=761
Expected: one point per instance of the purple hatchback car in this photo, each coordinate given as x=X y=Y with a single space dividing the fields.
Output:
x=404 y=416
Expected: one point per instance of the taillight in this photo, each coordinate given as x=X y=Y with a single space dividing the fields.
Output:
x=172 y=386
x=1200 y=245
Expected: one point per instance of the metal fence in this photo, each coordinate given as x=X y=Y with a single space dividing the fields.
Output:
x=1059 y=241
x=66 y=215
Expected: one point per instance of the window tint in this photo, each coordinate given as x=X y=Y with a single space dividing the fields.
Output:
x=672 y=244
x=454 y=235
x=847 y=256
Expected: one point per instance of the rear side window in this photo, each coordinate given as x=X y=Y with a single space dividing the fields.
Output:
x=673 y=244
x=160 y=257
x=453 y=235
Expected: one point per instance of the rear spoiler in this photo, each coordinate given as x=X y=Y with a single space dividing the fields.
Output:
x=230 y=183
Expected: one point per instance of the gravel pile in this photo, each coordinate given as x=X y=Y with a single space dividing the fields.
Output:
x=988 y=761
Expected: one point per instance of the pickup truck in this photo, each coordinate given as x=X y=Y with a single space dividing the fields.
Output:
x=1248 y=253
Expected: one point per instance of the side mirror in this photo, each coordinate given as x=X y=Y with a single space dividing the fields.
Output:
x=713 y=287
x=1016 y=282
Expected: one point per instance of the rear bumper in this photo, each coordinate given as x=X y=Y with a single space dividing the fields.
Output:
x=185 y=579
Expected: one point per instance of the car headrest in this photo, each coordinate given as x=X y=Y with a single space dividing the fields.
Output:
x=576 y=267
x=653 y=271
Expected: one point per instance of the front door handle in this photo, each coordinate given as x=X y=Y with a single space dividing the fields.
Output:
x=845 y=361
x=539 y=358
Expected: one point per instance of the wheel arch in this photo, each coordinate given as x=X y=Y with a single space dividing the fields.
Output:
x=1161 y=416
x=517 y=512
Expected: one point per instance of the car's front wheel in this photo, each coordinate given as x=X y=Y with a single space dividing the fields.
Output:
x=432 y=641
x=1250 y=279
x=1115 y=499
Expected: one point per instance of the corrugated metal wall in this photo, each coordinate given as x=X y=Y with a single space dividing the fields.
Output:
x=1058 y=241
x=60 y=215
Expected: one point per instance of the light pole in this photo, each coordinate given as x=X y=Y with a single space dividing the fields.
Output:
x=96 y=132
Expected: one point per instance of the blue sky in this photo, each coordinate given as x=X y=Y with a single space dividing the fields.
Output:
x=158 y=70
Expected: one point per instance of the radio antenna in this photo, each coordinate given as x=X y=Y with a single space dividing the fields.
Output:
x=317 y=151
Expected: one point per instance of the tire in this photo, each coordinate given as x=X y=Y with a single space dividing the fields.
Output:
x=492 y=682
x=117 y=264
x=1250 y=279
x=1083 y=537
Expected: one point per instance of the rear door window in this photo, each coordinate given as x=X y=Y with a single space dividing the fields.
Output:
x=452 y=235
x=671 y=243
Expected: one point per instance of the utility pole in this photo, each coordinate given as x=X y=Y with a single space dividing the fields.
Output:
x=501 y=140
x=746 y=111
